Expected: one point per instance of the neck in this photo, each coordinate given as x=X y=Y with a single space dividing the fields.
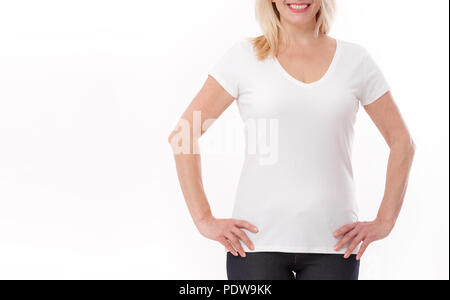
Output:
x=293 y=34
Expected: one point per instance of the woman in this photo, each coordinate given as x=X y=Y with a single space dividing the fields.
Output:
x=296 y=217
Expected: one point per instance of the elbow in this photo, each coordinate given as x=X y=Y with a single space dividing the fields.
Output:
x=180 y=137
x=413 y=147
x=410 y=146
x=183 y=144
x=171 y=140
x=406 y=146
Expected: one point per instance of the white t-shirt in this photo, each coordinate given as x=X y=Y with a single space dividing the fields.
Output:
x=300 y=199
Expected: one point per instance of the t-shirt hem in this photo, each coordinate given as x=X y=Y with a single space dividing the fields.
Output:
x=227 y=87
x=377 y=96
x=296 y=249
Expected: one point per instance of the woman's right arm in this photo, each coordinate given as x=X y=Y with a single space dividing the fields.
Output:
x=207 y=106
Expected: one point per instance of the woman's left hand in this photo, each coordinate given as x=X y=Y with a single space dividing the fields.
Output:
x=361 y=232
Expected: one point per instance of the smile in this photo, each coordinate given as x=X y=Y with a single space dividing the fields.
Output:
x=298 y=7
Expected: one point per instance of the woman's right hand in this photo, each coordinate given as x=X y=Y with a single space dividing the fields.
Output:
x=228 y=232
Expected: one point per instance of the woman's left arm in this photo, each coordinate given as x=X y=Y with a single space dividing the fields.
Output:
x=386 y=116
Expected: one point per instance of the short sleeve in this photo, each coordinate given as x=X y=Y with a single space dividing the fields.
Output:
x=226 y=70
x=374 y=83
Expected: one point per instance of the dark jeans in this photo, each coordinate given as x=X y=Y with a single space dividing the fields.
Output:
x=291 y=266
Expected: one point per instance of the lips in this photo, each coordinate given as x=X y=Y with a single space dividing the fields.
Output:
x=298 y=7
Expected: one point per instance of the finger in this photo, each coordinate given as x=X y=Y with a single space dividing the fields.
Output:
x=344 y=229
x=347 y=238
x=246 y=225
x=356 y=241
x=243 y=237
x=228 y=245
x=236 y=244
x=362 y=250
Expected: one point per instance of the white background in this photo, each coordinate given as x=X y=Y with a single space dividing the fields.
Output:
x=90 y=90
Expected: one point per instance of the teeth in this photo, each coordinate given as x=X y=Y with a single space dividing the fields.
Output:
x=296 y=6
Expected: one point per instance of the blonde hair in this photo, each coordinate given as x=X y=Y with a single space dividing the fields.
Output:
x=269 y=19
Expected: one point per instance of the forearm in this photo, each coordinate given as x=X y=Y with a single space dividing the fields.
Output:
x=190 y=178
x=399 y=166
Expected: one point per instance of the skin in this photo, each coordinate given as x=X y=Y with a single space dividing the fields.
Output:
x=307 y=58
